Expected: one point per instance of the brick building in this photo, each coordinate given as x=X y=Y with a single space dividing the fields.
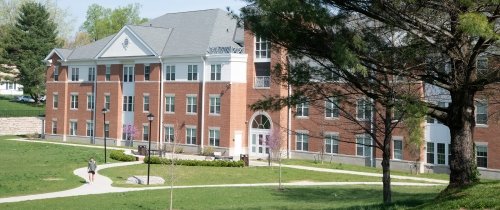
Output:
x=197 y=72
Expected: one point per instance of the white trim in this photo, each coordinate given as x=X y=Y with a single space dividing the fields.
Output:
x=105 y=48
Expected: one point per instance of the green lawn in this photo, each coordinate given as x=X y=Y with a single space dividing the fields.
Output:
x=29 y=168
x=339 y=197
x=327 y=164
x=198 y=175
x=10 y=108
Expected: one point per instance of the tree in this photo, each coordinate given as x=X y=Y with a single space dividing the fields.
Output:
x=275 y=144
x=130 y=132
x=453 y=32
x=27 y=43
x=102 y=22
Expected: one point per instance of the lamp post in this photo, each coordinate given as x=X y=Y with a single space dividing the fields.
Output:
x=151 y=117
x=104 y=111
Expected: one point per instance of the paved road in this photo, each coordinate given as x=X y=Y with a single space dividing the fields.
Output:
x=102 y=184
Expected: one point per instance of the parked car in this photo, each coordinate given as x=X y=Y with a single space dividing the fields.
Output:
x=25 y=99
x=42 y=99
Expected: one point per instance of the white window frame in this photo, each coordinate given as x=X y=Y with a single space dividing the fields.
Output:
x=55 y=101
x=482 y=154
x=128 y=103
x=331 y=143
x=90 y=101
x=90 y=128
x=363 y=143
x=169 y=134
x=54 y=127
x=364 y=109
x=430 y=154
x=106 y=129
x=192 y=72
x=302 y=109
x=191 y=104
x=170 y=103
x=128 y=74
x=75 y=74
x=145 y=132
x=56 y=73
x=397 y=151
x=215 y=72
x=481 y=111
x=332 y=110
x=170 y=73
x=73 y=128
x=214 y=137
x=107 y=101
x=191 y=135
x=145 y=103
x=439 y=154
x=91 y=75
x=147 y=73
x=302 y=141
x=214 y=107
x=260 y=53
x=74 y=101
x=107 y=76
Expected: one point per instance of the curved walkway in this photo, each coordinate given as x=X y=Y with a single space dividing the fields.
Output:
x=103 y=185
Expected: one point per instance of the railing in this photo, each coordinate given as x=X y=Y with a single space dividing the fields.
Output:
x=226 y=50
x=21 y=113
x=262 y=82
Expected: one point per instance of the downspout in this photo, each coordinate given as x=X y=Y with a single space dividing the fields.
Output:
x=202 y=137
x=94 y=97
x=160 y=126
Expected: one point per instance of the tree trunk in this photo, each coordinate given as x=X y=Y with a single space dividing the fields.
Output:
x=386 y=170
x=461 y=121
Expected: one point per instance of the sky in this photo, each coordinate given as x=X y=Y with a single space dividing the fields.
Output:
x=150 y=8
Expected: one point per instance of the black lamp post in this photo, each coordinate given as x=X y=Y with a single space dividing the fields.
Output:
x=104 y=111
x=151 y=117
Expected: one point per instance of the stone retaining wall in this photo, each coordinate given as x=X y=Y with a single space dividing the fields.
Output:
x=20 y=125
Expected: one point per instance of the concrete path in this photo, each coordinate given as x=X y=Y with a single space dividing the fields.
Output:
x=102 y=184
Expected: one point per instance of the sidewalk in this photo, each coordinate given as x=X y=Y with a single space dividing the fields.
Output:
x=102 y=184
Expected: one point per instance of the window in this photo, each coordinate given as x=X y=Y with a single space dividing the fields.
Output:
x=482 y=112
x=262 y=47
x=91 y=74
x=191 y=104
x=106 y=129
x=214 y=136
x=107 y=101
x=170 y=73
x=56 y=73
x=192 y=72
x=128 y=74
x=482 y=156
x=54 y=127
x=331 y=108
x=482 y=66
x=398 y=149
x=430 y=152
x=363 y=147
x=190 y=135
x=108 y=73
x=74 y=101
x=214 y=104
x=55 y=101
x=170 y=104
x=128 y=103
x=90 y=128
x=169 y=133
x=145 y=103
x=145 y=132
x=332 y=143
x=441 y=155
x=147 y=72
x=90 y=102
x=75 y=74
x=215 y=72
x=72 y=128
x=302 y=141
x=364 y=109
x=303 y=109
x=449 y=154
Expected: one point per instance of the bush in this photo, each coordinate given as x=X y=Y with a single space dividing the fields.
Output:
x=179 y=150
x=207 y=151
x=120 y=156
x=215 y=163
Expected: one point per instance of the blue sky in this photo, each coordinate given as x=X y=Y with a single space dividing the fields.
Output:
x=149 y=9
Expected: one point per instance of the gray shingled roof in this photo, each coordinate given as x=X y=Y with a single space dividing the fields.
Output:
x=64 y=53
x=194 y=32
x=88 y=52
x=183 y=33
x=154 y=37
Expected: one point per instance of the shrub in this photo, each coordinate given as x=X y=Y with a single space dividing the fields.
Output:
x=120 y=156
x=207 y=151
x=179 y=150
x=215 y=163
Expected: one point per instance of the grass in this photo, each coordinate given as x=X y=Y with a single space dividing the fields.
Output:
x=29 y=168
x=338 y=197
x=199 y=175
x=483 y=195
x=10 y=108
x=340 y=166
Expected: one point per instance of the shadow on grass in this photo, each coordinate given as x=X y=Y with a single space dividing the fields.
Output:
x=355 y=197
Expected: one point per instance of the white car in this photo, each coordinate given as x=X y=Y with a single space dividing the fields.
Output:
x=25 y=99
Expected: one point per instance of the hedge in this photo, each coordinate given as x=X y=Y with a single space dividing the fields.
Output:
x=120 y=156
x=214 y=163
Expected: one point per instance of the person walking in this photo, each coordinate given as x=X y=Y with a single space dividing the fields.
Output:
x=92 y=166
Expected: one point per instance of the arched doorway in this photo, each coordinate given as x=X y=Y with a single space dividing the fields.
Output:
x=260 y=130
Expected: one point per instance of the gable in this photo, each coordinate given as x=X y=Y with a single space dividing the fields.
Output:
x=126 y=44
